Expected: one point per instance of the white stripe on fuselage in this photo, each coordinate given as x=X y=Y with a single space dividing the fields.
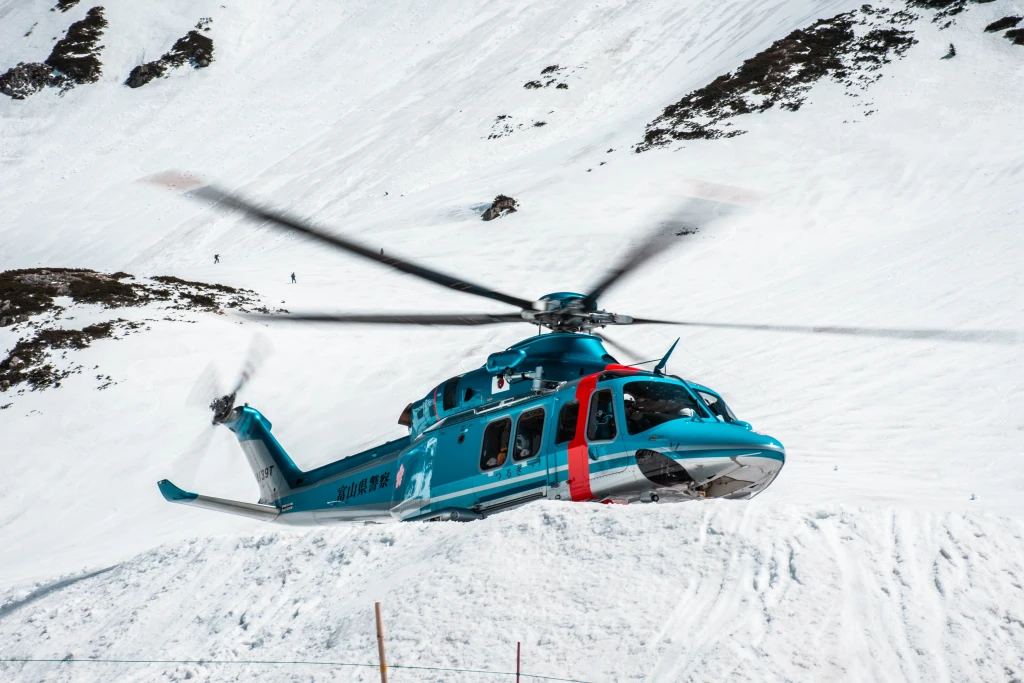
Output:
x=493 y=485
x=563 y=468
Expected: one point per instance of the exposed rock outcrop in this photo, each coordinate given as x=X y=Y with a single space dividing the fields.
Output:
x=848 y=48
x=502 y=205
x=194 y=48
x=73 y=61
x=27 y=300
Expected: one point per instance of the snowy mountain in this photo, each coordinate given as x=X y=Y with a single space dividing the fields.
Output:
x=880 y=153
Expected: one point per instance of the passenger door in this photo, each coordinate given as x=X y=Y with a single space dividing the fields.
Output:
x=515 y=460
x=605 y=448
x=530 y=454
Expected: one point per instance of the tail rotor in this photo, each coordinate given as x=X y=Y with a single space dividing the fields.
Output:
x=208 y=393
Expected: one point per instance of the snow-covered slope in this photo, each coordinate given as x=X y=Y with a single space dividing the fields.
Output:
x=377 y=119
x=654 y=593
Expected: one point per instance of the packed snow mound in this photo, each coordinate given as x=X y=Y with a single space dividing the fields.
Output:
x=678 y=592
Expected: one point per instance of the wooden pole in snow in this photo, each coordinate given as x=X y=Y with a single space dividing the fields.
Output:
x=519 y=649
x=380 y=644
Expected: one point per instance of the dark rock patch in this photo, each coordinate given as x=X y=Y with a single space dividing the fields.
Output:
x=75 y=55
x=504 y=125
x=29 y=361
x=171 y=280
x=194 y=48
x=1000 y=24
x=72 y=62
x=945 y=9
x=27 y=300
x=24 y=80
x=144 y=73
x=550 y=72
x=64 y=5
x=502 y=205
x=29 y=292
x=1016 y=35
x=848 y=48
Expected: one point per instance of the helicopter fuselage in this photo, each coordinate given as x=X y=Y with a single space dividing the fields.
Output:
x=617 y=434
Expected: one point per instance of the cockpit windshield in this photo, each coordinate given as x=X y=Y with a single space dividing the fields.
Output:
x=649 y=404
x=718 y=406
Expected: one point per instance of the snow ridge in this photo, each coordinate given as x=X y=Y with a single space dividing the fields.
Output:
x=680 y=593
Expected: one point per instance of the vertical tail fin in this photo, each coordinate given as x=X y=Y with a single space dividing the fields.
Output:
x=274 y=470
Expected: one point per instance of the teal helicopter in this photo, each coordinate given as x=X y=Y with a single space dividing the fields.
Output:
x=554 y=416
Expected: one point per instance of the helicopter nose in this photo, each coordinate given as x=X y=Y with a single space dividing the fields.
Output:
x=727 y=460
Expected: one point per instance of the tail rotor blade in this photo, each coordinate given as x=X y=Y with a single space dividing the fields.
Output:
x=207 y=388
x=260 y=349
x=186 y=466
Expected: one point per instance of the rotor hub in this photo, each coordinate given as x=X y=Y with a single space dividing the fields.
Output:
x=571 y=312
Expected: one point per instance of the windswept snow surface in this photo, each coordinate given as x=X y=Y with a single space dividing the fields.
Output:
x=888 y=549
x=655 y=593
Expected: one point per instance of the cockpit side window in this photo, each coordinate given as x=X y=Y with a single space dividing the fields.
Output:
x=450 y=394
x=718 y=407
x=529 y=431
x=567 y=418
x=649 y=404
x=601 y=424
x=495 y=446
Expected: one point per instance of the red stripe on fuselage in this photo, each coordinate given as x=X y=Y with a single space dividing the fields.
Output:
x=579 y=462
x=578 y=458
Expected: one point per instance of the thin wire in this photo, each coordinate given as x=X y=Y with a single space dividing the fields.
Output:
x=246 y=661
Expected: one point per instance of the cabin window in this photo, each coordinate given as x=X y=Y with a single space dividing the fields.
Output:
x=529 y=431
x=451 y=393
x=601 y=424
x=567 y=418
x=718 y=406
x=649 y=404
x=495 y=448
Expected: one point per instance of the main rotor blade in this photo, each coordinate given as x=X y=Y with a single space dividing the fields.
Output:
x=685 y=221
x=462 y=319
x=632 y=355
x=295 y=225
x=981 y=336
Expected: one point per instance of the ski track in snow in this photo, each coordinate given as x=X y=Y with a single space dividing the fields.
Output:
x=889 y=549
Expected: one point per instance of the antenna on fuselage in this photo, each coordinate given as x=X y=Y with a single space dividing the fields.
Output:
x=659 y=369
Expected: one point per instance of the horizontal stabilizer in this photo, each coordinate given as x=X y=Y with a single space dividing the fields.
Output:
x=172 y=494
